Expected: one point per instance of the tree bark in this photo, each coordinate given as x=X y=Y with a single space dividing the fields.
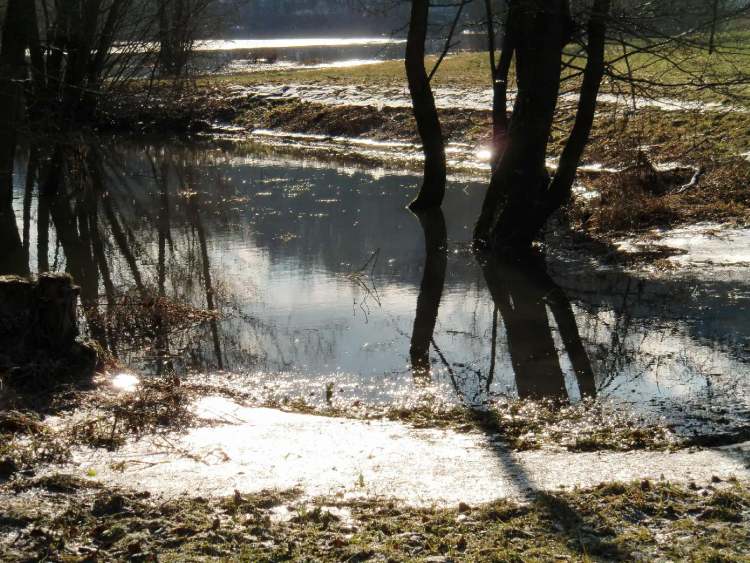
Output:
x=425 y=111
x=562 y=184
x=500 y=73
x=521 y=197
x=79 y=59
x=520 y=180
x=12 y=76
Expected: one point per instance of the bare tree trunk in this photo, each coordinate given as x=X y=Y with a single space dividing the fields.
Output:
x=425 y=112
x=500 y=73
x=521 y=197
x=79 y=53
x=12 y=75
x=562 y=184
x=520 y=181
x=59 y=43
x=176 y=34
x=430 y=291
x=714 y=22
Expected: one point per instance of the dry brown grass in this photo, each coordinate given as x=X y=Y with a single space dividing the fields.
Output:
x=641 y=198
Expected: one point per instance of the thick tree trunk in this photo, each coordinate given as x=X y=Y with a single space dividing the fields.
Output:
x=12 y=76
x=174 y=36
x=79 y=58
x=562 y=184
x=425 y=112
x=521 y=197
x=430 y=291
x=520 y=181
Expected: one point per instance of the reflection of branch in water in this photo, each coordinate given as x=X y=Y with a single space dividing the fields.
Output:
x=31 y=173
x=122 y=242
x=198 y=224
x=360 y=277
x=493 y=349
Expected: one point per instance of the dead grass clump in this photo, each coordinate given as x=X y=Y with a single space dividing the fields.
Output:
x=635 y=199
x=26 y=442
x=148 y=315
x=641 y=197
x=156 y=407
x=722 y=194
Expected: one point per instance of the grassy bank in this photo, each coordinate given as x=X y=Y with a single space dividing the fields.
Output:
x=63 y=518
x=655 y=74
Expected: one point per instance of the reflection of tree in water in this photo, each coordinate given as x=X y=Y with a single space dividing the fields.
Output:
x=430 y=291
x=87 y=209
x=148 y=227
x=522 y=294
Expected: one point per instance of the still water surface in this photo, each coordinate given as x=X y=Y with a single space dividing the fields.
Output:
x=328 y=287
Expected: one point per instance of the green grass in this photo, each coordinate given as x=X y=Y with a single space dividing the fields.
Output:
x=670 y=66
x=612 y=522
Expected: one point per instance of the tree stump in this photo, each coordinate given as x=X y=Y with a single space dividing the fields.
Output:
x=55 y=323
x=38 y=316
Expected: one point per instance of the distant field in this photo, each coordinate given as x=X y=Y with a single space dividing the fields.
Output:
x=672 y=72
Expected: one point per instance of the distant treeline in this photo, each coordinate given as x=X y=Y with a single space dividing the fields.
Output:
x=319 y=17
x=275 y=18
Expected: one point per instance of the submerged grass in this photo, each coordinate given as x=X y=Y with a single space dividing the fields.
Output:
x=63 y=518
x=520 y=424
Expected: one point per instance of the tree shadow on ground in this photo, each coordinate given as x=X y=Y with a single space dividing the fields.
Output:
x=522 y=293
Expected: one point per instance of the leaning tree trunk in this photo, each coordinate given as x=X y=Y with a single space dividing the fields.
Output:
x=521 y=197
x=425 y=112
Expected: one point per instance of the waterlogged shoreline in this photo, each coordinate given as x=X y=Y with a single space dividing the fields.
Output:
x=697 y=174
x=255 y=449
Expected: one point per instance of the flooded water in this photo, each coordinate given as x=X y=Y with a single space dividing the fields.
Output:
x=252 y=55
x=328 y=289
